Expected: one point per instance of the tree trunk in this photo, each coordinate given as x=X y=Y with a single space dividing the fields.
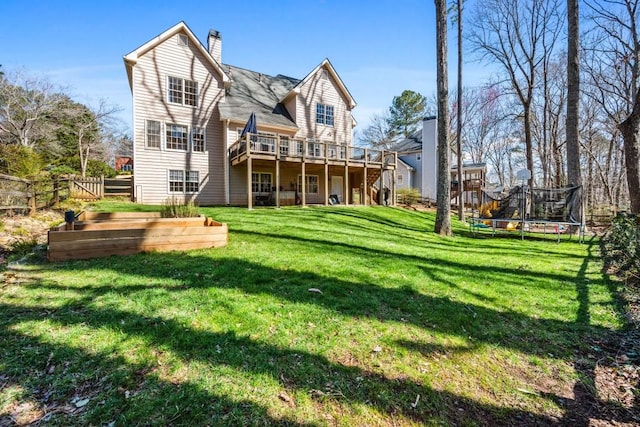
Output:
x=573 y=96
x=443 y=220
x=630 y=133
x=459 y=122
x=528 y=139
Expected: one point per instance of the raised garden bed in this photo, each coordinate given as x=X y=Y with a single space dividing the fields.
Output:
x=123 y=233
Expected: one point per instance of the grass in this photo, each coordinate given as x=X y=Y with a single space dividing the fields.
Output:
x=408 y=328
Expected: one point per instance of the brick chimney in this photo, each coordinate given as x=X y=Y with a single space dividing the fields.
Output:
x=214 y=44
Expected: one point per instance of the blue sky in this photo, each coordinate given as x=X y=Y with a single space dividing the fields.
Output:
x=379 y=48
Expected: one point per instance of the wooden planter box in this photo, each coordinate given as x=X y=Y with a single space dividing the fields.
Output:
x=124 y=233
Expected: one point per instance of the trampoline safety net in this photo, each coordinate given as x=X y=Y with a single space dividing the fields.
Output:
x=549 y=204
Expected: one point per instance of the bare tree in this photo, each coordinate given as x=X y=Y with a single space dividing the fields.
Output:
x=378 y=134
x=25 y=103
x=443 y=219
x=573 y=94
x=517 y=35
x=458 y=20
x=89 y=125
x=614 y=77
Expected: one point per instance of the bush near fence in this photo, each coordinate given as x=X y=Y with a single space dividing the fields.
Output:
x=621 y=247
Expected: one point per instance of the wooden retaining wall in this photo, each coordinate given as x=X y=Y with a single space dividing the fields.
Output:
x=104 y=234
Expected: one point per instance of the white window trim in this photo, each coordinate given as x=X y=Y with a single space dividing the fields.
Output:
x=306 y=184
x=204 y=137
x=176 y=150
x=183 y=92
x=184 y=182
x=333 y=115
x=260 y=181
x=169 y=191
x=146 y=134
x=183 y=40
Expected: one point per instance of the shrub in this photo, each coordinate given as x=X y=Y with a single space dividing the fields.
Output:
x=620 y=247
x=20 y=161
x=173 y=208
x=408 y=196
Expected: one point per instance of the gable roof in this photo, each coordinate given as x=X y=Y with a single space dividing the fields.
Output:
x=413 y=143
x=251 y=91
x=131 y=58
x=326 y=64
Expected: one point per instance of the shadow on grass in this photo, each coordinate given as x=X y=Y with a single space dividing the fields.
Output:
x=105 y=378
x=585 y=404
x=160 y=401
x=299 y=371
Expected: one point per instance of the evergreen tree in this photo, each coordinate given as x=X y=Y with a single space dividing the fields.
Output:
x=406 y=112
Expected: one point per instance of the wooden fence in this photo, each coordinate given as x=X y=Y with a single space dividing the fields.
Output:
x=22 y=195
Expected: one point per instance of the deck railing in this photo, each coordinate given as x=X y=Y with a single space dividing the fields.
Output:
x=285 y=147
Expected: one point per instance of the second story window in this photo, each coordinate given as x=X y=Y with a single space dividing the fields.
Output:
x=182 y=91
x=197 y=139
x=324 y=114
x=153 y=134
x=176 y=137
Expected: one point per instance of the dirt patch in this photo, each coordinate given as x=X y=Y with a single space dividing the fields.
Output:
x=17 y=230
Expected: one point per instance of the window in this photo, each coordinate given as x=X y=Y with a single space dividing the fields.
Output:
x=176 y=181
x=261 y=182
x=197 y=139
x=175 y=90
x=311 y=184
x=183 y=40
x=153 y=134
x=324 y=114
x=191 y=93
x=176 y=137
x=284 y=145
x=184 y=181
x=182 y=91
x=192 y=182
x=400 y=178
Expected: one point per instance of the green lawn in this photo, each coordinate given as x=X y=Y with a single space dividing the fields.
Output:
x=409 y=328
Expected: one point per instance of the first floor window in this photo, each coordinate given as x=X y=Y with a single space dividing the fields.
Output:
x=197 y=139
x=176 y=137
x=261 y=182
x=311 y=184
x=181 y=181
x=192 y=181
x=153 y=134
x=176 y=181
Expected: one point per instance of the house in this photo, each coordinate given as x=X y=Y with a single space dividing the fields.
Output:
x=189 y=113
x=418 y=166
x=123 y=163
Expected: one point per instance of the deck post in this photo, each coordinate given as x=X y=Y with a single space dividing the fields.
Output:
x=326 y=183
x=249 y=183
x=365 y=183
x=346 y=183
x=278 y=171
x=381 y=189
x=303 y=195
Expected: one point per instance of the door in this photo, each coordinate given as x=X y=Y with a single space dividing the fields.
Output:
x=337 y=186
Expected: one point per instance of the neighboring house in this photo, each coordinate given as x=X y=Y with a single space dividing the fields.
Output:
x=189 y=112
x=419 y=153
x=124 y=164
